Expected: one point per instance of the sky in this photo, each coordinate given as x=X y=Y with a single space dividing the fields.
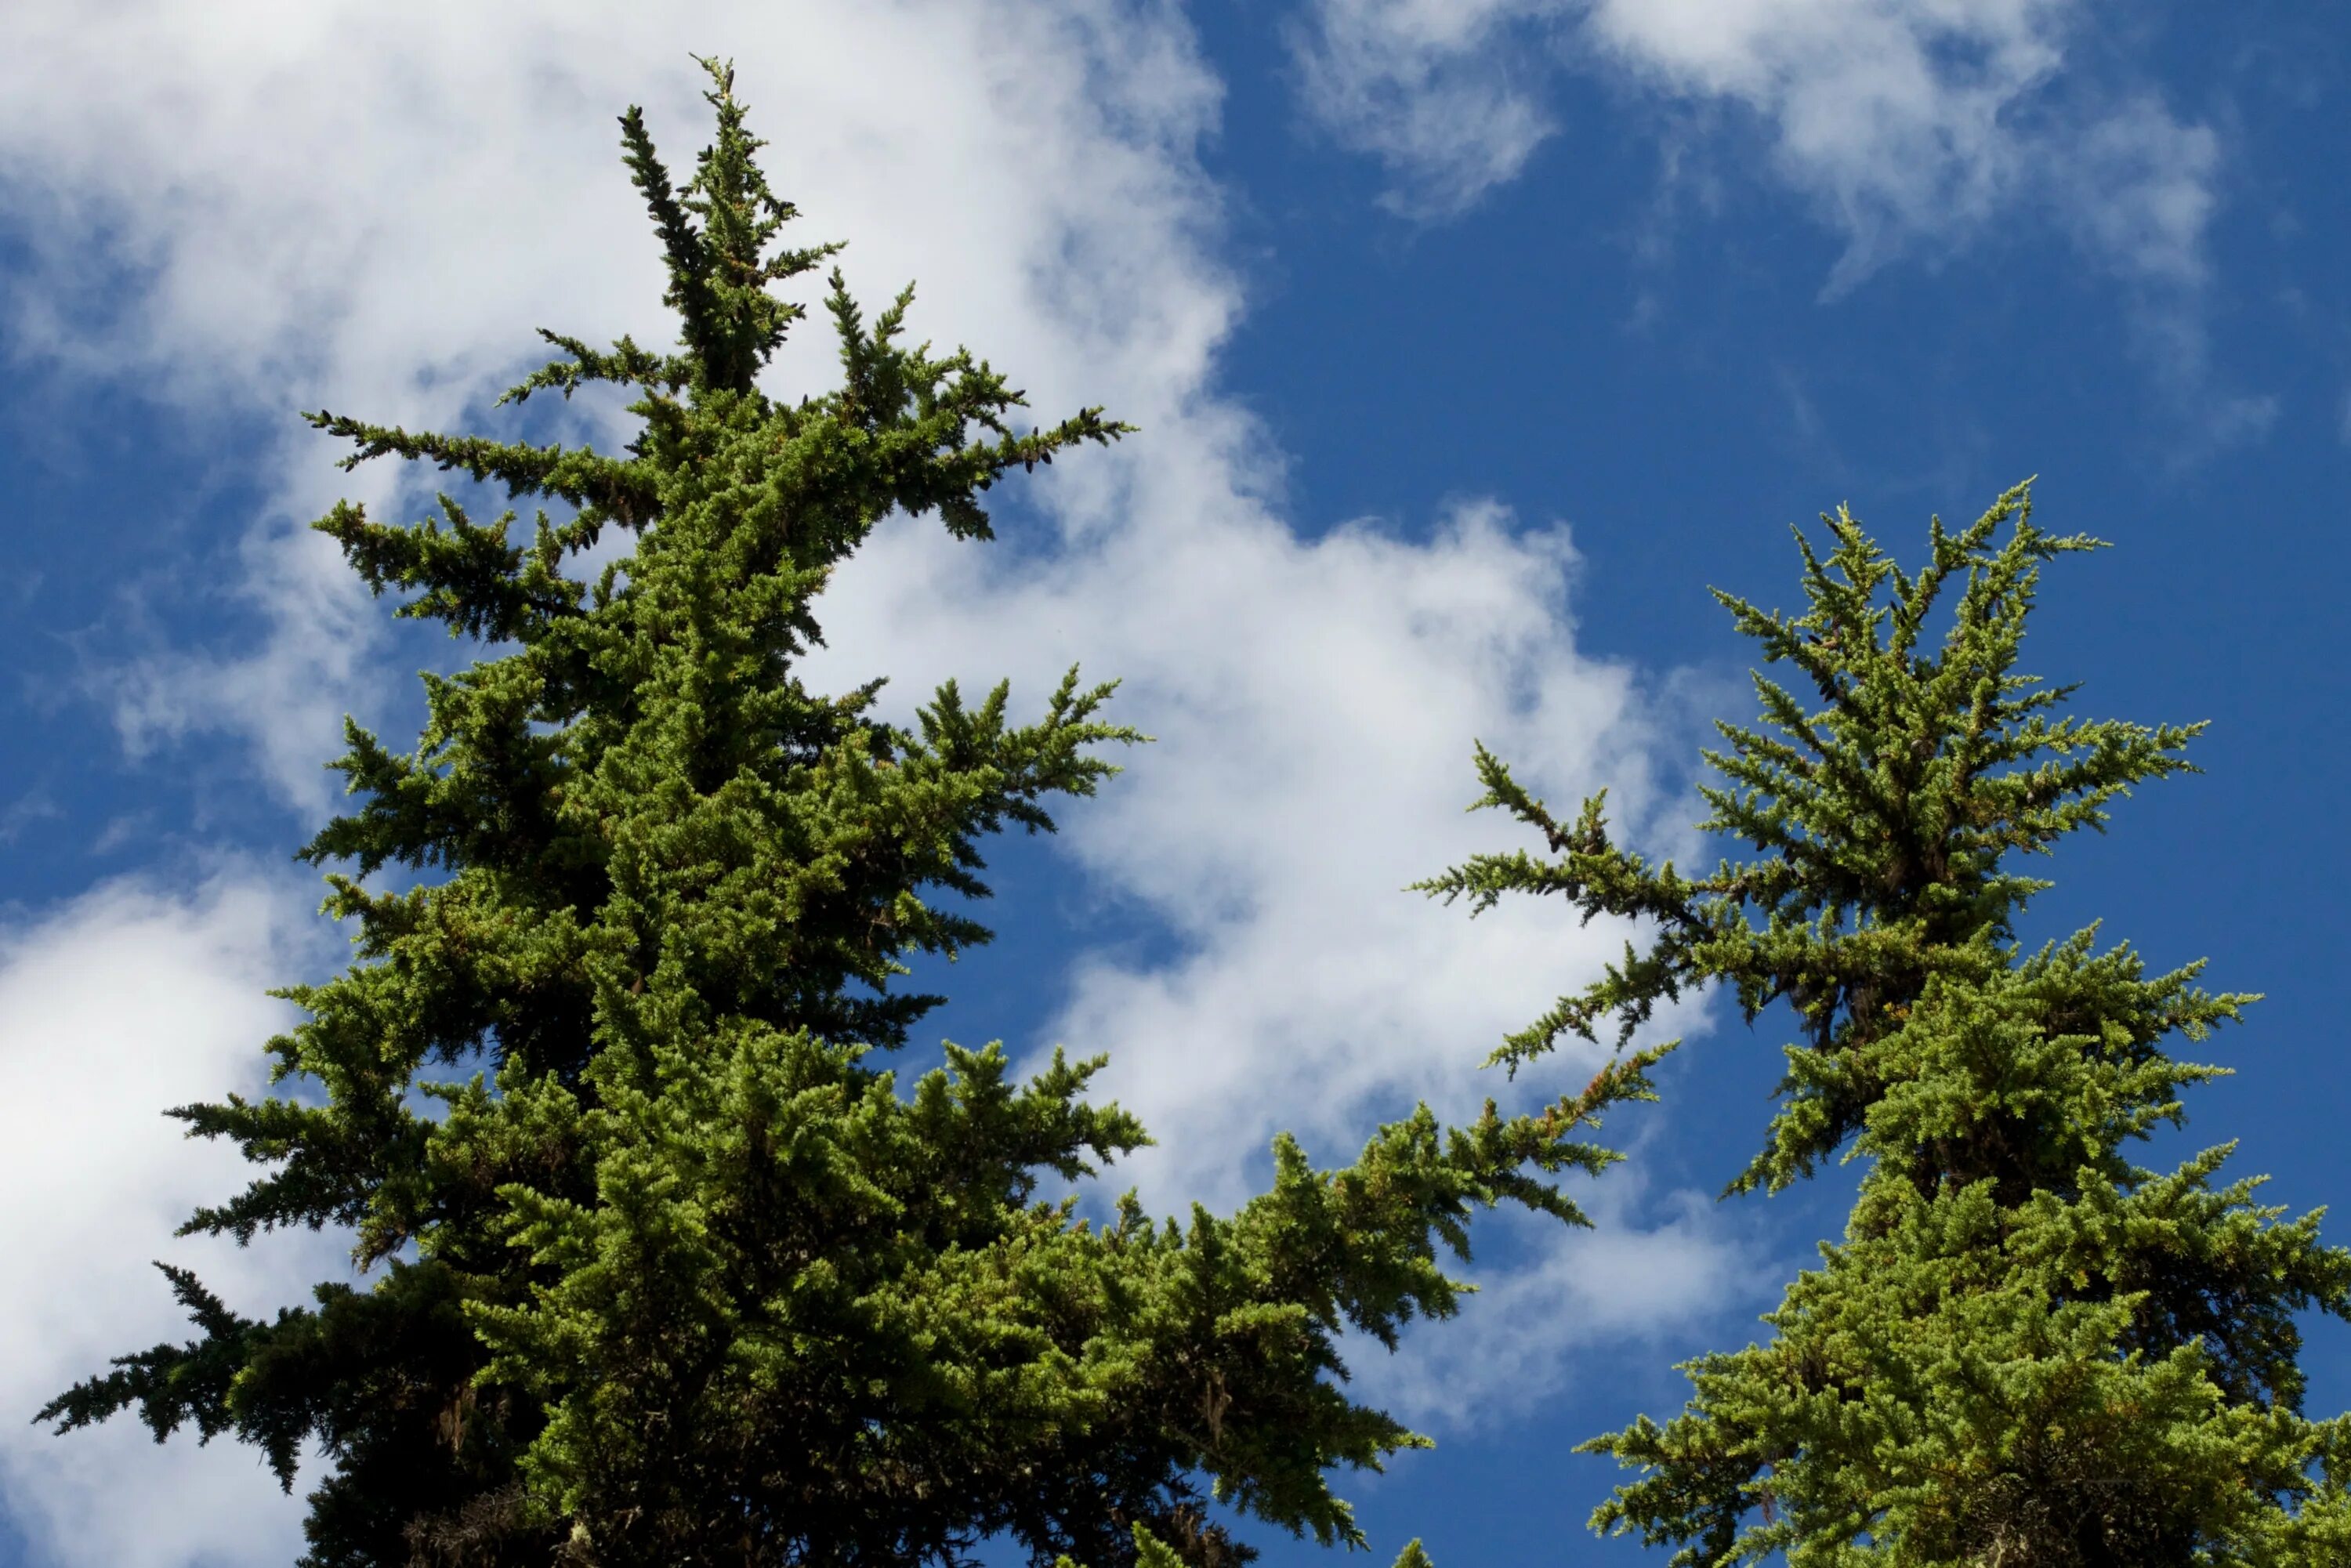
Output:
x=1470 y=343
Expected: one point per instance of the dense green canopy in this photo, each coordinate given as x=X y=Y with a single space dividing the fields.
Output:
x=2027 y=1350
x=681 y=1274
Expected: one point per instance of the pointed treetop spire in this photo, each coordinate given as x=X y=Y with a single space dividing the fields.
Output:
x=715 y=240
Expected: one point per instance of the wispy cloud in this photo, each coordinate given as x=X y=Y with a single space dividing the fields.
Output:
x=1437 y=89
x=32 y=806
x=1609 y=1287
x=1905 y=123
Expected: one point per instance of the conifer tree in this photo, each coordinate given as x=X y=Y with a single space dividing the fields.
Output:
x=2027 y=1349
x=661 y=1262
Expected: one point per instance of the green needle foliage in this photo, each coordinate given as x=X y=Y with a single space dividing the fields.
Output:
x=2027 y=1349
x=660 y=1264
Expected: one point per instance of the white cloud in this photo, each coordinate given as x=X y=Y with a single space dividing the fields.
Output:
x=1513 y=1347
x=1434 y=87
x=129 y=1000
x=2138 y=186
x=288 y=205
x=1314 y=706
x=1908 y=122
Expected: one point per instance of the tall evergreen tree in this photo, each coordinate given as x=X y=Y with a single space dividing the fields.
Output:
x=2027 y=1349
x=683 y=1275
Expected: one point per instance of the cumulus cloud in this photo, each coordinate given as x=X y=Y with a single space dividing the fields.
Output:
x=131 y=1000
x=250 y=205
x=1906 y=122
x=1313 y=705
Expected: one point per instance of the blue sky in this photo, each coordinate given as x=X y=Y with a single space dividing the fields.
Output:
x=1471 y=344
